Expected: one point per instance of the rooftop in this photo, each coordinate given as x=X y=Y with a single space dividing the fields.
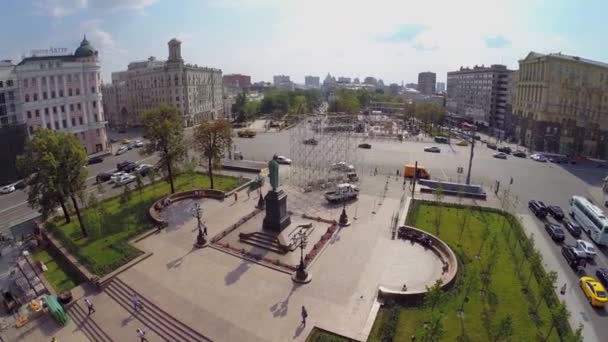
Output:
x=560 y=55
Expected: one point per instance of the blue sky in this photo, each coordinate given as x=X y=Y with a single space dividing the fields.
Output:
x=390 y=39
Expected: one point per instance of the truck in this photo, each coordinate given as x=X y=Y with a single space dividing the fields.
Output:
x=247 y=133
x=420 y=172
x=343 y=192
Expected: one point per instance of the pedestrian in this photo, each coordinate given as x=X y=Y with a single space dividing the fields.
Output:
x=304 y=315
x=248 y=193
x=90 y=306
x=142 y=335
x=236 y=196
x=136 y=303
x=54 y=340
x=563 y=290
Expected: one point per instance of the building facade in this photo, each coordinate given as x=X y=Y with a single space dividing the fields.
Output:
x=426 y=82
x=440 y=87
x=62 y=92
x=237 y=81
x=561 y=104
x=13 y=132
x=196 y=92
x=480 y=94
x=282 y=82
x=312 y=81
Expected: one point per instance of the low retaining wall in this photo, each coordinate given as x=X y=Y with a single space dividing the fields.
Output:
x=157 y=207
x=453 y=189
x=444 y=253
x=61 y=252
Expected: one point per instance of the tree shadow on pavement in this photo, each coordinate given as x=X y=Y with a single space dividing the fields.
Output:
x=178 y=262
x=281 y=308
x=234 y=275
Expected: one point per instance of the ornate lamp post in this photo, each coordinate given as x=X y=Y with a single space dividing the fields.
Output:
x=201 y=238
x=299 y=239
x=343 y=217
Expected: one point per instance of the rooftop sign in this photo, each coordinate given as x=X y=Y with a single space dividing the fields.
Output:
x=52 y=51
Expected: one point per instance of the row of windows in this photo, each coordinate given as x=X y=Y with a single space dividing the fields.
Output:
x=599 y=223
x=60 y=78
x=61 y=108
x=45 y=95
x=9 y=83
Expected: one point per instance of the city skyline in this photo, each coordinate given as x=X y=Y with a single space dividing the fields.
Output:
x=394 y=40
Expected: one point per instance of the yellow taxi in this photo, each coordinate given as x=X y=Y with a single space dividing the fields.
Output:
x=462 y=143
x=594 y=291
x=125 y=141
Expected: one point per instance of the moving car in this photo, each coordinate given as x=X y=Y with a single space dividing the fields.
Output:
x=125 y=141
x=555 y=231
x=573 y=256
x=121 y=150
x=343 y=192
x=538 y=208
x=117 y=175
x=556 y=212
x=602 y=276
x=342 y=166
x=283 y=160
x=139 y=143
x=504 y=149
x=125 y=179
x=122 y=165
x=247 y=133
x=539 y=158
x=365 y=146
x=7 y=189
x=519 y=154
x=311 y=141
x=95 y=160
x=441 y=140
x=500 y=155
x=421 y=173
x=573 y=227
x=103 y=177
x=492 y=146
x=143 y=169
x=462 y=143
x=594 y=291
x=587 y=248
x=433 y=149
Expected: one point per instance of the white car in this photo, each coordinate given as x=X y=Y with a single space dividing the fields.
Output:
x=433 y=149
x=122 y=150
x=539 y=158
x=115 y=176
x=7 y=189
x=283 y=160
x=138 y=143
x=342 y=166
x=125 y=179
x=586 y=247
x=500 y=155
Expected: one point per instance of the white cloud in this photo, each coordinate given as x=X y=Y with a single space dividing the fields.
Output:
x=62 y=8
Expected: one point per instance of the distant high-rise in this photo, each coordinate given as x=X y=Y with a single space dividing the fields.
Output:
x=282 y=82
x=312 y=81
x=440 y=87
x=426 y=82
x=237 y=81
x=344 y=80
x=370 y=80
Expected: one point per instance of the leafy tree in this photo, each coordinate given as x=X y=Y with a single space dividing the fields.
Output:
x=139 y=184
x=559 y=315
x=535 y=260
x=485 y=234
x=164 y=127
x=575 y=336
x=347 y=102
x=434 y=295
x=503 y=330
x=126 y=194
x=152 y=176
x=298 y=106
x=429 y=114
x=471 y=284
x=238 y=108
x=433 y=329
x=190 y=169
x=94 y=218
x=100 y=188
x=464 y=222
x=212 y=139
x=547 y=284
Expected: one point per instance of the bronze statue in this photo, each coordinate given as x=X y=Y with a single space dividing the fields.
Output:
x=273 y=173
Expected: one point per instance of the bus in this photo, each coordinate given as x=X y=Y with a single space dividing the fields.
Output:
x=591 y=218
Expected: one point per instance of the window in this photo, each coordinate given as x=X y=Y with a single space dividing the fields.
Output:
x=25 y=82
x=70 y=92
x=51 y=79
x=11 y=96
x=27 y=97
x=9 y=83
x=52 y=94
x=77 y=91
x=96 y=118
x=29 y=114
x=80 y=120
x=44 y=95
x=62 y=108
x=37 y=113
x=76 y=78
x=69 y=78
x=82 y=135
x=93 y=90
x=71 y=107
x=98 y=132
x=78 y=106
x=35 y=96
x=46 y=111
x=60 y=92
x=54 y=110
x=43 y=80
x=65 y=123
x=31 y=128
x=57 y=125
x=48 y=125
x=34 y=81
x=94 y=104
x=73 y=122
x=60 y=77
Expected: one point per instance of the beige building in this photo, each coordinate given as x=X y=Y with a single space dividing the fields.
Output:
x=197 y=92
x=561 y=105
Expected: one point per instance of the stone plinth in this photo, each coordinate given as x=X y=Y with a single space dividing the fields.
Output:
x=277 y=217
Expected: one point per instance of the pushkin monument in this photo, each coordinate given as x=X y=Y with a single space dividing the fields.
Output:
x=277 y=217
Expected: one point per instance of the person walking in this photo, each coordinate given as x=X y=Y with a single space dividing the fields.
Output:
x=89 y=306
x=142 y=335
x=563 y=289
x=136 y=303
x=304 y=315
x=236 y=196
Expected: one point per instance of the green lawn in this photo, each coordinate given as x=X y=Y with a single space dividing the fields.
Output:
x=319 y=335
x=504 y=283
x=58 y=273
x=114 y=221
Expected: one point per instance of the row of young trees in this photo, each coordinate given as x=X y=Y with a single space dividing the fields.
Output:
x=276 y=103
x=53 y=164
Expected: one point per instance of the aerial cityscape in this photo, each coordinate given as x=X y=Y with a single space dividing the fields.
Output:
x=261 y=170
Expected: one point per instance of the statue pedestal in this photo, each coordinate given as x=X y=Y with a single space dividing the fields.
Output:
x=277 y=217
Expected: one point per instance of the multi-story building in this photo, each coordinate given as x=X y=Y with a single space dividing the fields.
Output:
x=344 y=80
x=509 y=123
x=312 y=81
x=561 y=104
x=480 y=94
x=440 y=87
x=412 y=85
x=196 y=92
x=237 y=81
x=426 y=82
x=115 y=104
x=282 y=82
x=370 y=80
x=61 y=91
x=13 y=132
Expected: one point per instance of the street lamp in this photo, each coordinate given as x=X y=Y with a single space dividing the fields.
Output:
x=343 y=217
x=299 y=239
x=197 y=212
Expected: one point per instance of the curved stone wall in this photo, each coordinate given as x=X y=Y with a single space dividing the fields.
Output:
x=156 y=208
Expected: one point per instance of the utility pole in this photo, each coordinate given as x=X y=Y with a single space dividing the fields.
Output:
x=471 y=158
x=414 y=178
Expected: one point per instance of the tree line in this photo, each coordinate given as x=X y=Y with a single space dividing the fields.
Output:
x=276 y=103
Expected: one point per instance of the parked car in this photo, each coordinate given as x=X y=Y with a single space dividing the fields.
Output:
x=125 y=179
x=556 y=212
x=573 y=256
x=492 y=146
x=573 y=227
x=20 y=185
x=117 y=175
x=343 y=167
x=343 y=192
x=138 y=143
x=594 y=291
x=113 y=140
x=125 y=141
x=500 y=155
x=539 y=158
x=143 y=169
x=7 y=189
x=365 y=146
x=311 y=141
x=602 y=276
x=247 y=133
x=519 y=154
x=283 y=160
x=120 y=166
x=122 y=130
x=95 y=160
x=103 y=177
x=433 y=149
x=462 y=143
x=121 y=150
x=538 y=208
x=130 y=167
x=504 y=149
x=555 y=231
x=131 y=146
x=586 y=247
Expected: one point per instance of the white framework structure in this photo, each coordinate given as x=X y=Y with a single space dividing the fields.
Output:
x=336 y=143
